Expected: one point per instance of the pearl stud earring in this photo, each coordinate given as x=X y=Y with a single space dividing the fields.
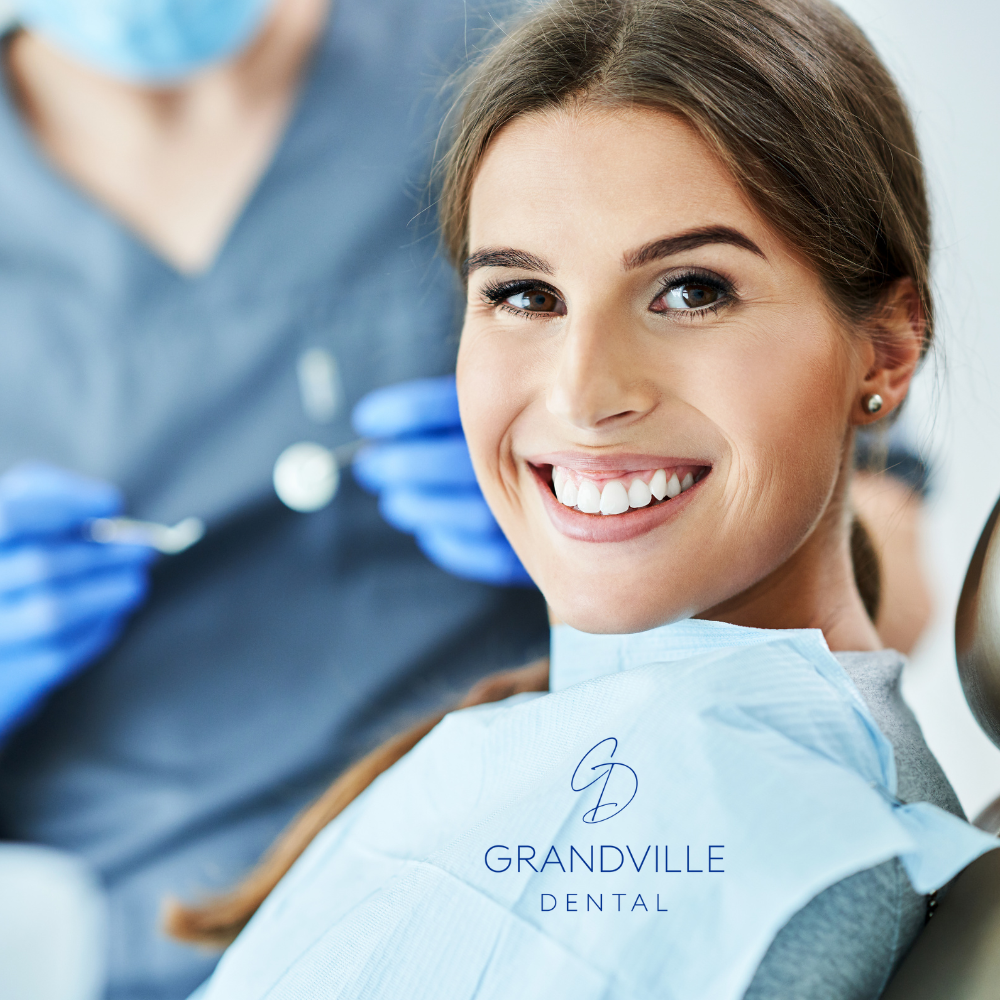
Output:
x=873 y=403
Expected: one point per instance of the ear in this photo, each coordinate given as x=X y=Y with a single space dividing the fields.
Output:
x=896 y=338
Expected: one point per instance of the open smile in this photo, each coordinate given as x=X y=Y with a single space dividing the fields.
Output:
x=617 y=498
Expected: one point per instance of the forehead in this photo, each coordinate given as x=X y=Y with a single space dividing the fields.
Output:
x=590 y=175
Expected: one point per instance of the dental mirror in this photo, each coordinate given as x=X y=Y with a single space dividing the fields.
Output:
x=307 y=474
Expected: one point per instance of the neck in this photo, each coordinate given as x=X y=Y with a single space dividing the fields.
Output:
x=815 y=588
x=175 y=163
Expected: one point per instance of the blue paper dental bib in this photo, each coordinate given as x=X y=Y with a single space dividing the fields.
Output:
x=643 y=831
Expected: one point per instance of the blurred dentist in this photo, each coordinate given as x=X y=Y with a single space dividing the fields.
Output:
x=212 y=248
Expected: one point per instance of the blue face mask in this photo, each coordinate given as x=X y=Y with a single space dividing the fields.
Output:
x=146 y=41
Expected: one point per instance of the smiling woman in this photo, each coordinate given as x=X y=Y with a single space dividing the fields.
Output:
x=687 y=320
x=695 y=243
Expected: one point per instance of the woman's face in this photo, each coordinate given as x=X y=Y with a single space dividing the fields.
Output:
x=655 y=390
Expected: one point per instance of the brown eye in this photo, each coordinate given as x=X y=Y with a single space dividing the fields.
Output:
x=693 y=295
x=688 y=295
x=698 y=295
x=537 y=300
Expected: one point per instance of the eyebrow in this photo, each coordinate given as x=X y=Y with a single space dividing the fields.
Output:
x=504 y=257
x=690 y=240
x=655 y=250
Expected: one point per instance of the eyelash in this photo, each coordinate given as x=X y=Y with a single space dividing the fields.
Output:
x=695 y=276
x=496 y=292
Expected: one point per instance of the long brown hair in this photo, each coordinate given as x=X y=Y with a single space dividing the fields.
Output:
x=794 y=100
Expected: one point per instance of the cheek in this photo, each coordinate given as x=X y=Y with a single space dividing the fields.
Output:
x=491 y=392
x=775 y=385
x=783 y=406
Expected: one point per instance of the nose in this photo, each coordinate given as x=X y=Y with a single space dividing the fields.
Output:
x=599 y=382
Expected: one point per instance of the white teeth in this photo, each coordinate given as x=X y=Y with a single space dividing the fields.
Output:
x=569 y=493
x=614 y=498
x=589 y=497
x=658 y=484
x=558 y=480
x=639 y=494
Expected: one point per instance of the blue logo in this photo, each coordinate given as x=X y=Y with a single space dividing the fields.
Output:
x=618 y=782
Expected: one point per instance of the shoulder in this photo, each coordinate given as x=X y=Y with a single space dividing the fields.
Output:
x=845 y=943
x=920 y=777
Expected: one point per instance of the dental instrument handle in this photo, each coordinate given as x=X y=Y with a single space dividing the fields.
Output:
x=170 y=540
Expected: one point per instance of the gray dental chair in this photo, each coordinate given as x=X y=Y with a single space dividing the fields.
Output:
x=957 y=956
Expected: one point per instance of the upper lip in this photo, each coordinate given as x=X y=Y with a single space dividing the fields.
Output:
x=612 y=464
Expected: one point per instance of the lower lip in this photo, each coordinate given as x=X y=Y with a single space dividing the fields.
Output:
x=611 y=527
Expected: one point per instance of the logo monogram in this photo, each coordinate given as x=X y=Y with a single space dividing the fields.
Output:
x=618 y=782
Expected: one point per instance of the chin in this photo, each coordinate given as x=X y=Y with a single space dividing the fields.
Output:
x=612 y=614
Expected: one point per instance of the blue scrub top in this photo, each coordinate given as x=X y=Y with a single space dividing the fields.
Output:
x=283 y=645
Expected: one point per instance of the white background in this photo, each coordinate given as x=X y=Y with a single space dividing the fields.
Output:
x=945 y=57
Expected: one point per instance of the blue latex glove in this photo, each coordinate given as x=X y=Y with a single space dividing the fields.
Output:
x=63 y=600
x=421 y=471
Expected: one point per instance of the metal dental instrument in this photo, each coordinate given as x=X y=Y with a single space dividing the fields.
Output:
x=306 y=478
x=162 y=537
x=307 y=475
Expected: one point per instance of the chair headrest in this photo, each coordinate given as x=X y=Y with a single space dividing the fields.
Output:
x=977 y=630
